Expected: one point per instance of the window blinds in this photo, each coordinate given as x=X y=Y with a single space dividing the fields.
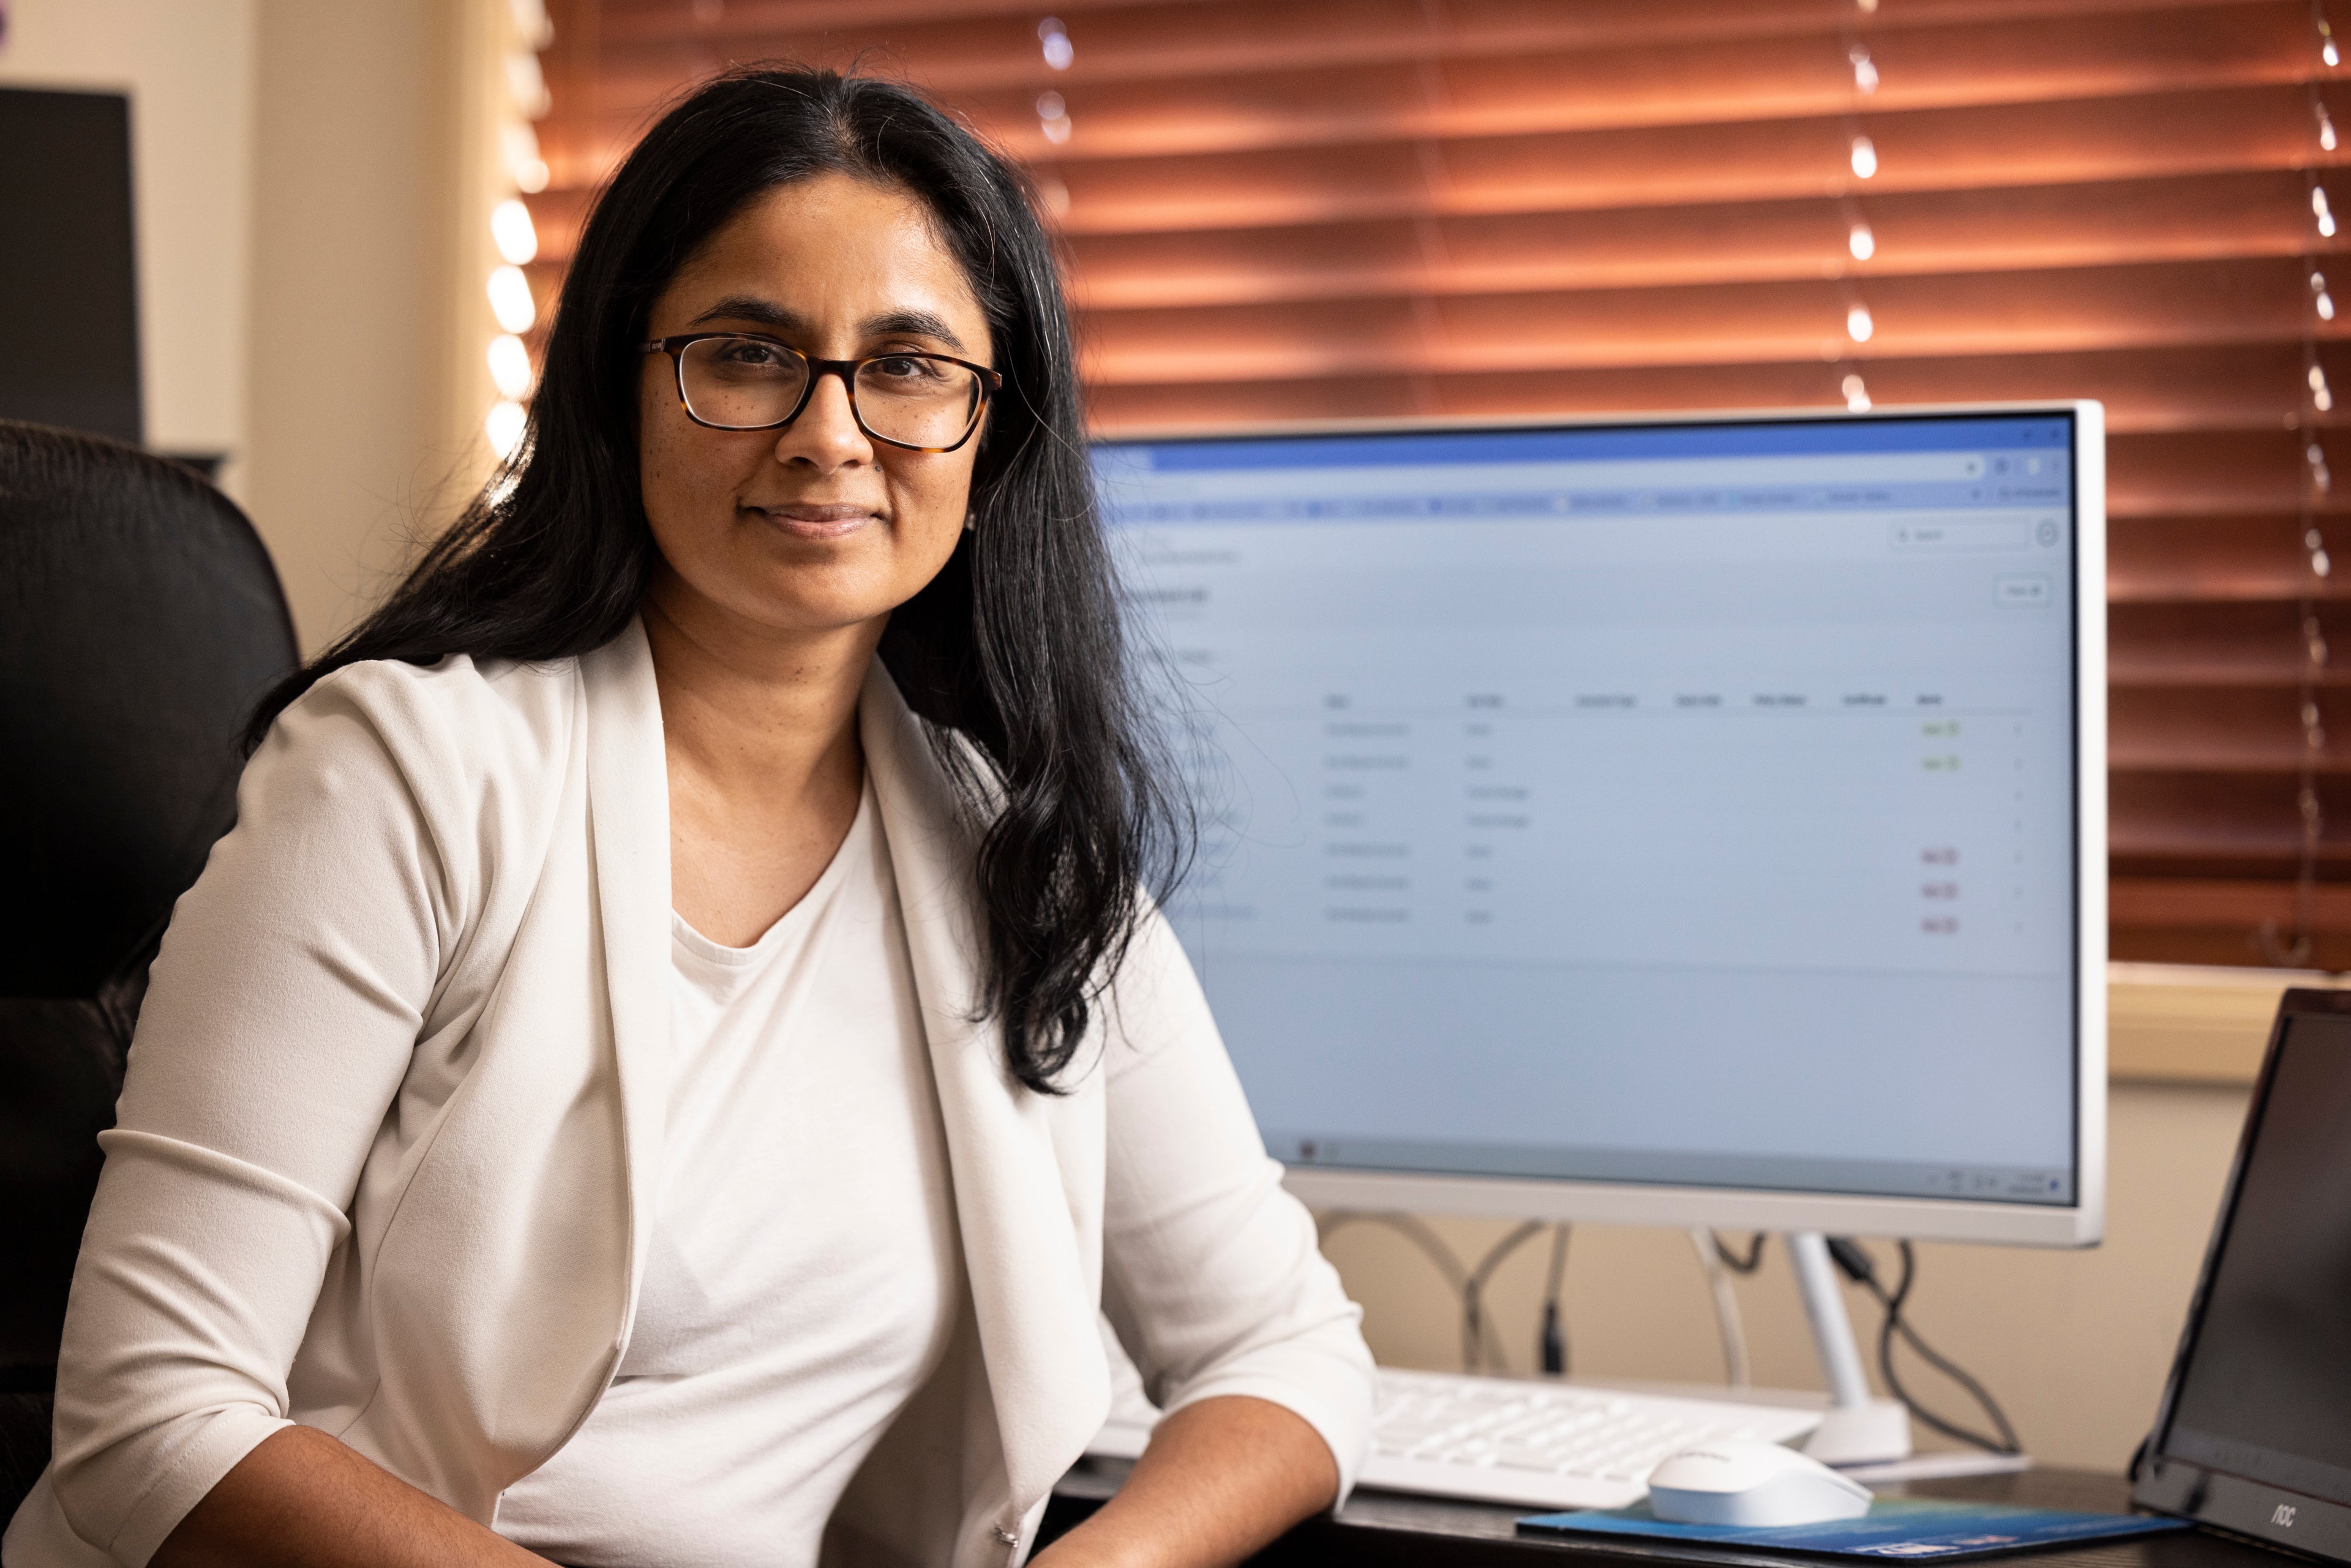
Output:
x=1282 y=209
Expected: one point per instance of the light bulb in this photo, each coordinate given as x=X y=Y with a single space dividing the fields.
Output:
x=2322 y=211
x=2325 y=127
x=1055 y=39
x=526 y=85
x=2326 y=305
x=505 y=426
x=510 y=299
x=510 y=225
x=510 y=365
x=1857 y=324
x=1857 y=396
x=1864 y=157
x=1861 y=242
x=1864 y=69
x=1053 y=116
x=523 y=162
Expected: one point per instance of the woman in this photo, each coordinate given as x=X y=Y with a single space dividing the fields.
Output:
x=673 y=1064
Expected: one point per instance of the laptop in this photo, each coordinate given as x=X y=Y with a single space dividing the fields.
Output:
x=2254 y=1436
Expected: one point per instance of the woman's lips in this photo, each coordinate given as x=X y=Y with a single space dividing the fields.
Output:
x=808 y=522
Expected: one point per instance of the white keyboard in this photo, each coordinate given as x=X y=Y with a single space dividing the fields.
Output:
x=1500 y=1439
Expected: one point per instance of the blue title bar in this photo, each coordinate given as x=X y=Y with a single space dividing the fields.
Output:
x=1792 y=438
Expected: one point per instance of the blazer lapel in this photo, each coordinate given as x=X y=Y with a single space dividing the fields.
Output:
x=628 y=818
x=1035 y=1307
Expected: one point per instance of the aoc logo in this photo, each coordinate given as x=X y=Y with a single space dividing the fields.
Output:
x=2282 y=1516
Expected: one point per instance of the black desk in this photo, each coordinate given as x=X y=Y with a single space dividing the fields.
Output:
x=1376 y=1529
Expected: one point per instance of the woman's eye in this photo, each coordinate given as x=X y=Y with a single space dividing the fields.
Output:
x=749 y=354
x=905 y=367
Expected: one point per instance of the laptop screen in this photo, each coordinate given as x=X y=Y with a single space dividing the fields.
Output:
x=2264 y=1391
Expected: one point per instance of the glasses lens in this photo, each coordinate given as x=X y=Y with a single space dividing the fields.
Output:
x=742 y=383
x=916 y=400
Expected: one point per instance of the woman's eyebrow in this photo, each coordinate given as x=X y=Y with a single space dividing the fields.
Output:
x=913 y=323
x=768 y=313
x=751 y=308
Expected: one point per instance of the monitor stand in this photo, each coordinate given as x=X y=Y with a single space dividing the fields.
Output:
x=1858 y=1428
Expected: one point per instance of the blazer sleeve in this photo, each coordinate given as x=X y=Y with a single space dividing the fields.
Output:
x=279 y=1021
x=1212 y=1275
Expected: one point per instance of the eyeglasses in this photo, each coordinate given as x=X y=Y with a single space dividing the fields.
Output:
x=740 y=380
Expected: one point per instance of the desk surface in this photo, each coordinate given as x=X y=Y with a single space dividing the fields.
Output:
x=1383 y=1528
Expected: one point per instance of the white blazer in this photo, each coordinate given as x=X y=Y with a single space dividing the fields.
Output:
x=393 y=1129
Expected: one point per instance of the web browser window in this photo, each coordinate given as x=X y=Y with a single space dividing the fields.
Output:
x=1674 y=804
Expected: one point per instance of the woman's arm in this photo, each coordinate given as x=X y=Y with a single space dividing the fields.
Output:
x=282 y=1017
x=1214 y=1282
x=303 y=1500
x=1220 y=1479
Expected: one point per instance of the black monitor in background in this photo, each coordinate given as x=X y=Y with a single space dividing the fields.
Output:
x=68 y=279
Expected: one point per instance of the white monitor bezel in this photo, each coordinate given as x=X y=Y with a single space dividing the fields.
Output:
x=2079 y=1223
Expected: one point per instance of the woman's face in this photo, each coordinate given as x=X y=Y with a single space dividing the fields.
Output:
x=814 y=526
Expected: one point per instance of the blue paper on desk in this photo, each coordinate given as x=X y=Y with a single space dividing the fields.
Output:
x=1898 y=1527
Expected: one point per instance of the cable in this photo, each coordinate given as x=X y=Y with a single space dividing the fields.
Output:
x=1862 y=1270
x=1727 y=1321
x=1749 y=1264
x=1551 y=1344
x=1411 y=1226
x=1477 y=1338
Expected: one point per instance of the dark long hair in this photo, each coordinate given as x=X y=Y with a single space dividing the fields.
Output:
x=1015 y=644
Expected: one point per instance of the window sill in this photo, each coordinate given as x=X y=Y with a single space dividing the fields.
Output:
x=2185 y=1023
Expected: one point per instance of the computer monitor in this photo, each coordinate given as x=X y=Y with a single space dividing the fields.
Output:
x=1691 y=821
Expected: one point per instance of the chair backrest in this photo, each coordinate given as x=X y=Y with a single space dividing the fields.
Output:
x=140 y=619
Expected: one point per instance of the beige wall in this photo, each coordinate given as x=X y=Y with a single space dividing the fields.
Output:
x=313 y=198
x=188 y=66
x=2076 y=1345
x=358 y=291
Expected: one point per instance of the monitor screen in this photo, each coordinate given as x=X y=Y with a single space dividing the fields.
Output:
x=1689 y=804
x=68 y=279
x=2264 y=1391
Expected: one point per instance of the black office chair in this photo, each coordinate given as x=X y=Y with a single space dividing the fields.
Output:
x=139 y=618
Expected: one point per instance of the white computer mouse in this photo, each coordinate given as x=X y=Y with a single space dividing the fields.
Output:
x=1757 y=1484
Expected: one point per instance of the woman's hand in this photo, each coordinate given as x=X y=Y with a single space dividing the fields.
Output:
x=303 y=1497
x=1220 y=1479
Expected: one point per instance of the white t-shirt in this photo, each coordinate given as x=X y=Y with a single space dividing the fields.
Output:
x=804 y=1266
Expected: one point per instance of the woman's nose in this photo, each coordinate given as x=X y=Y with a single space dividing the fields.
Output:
x=826 y=432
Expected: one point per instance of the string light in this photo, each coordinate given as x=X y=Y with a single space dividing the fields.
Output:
x=1857 y=396
x=1862 y=242
x=510 y=299
x=1055 y=38
x=1858 y=325
x=2321 y=477
x=1864 y=69
x=510 y=365
x=2325 y=301
x=2326 y=50
x=1865 y=158
x=1053 y=116
x=2322 y=396
x=511 y=227
x=523 y=162
x=512 y=231
x=2320 y=211
x=2326 y=123
x=504 y=425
